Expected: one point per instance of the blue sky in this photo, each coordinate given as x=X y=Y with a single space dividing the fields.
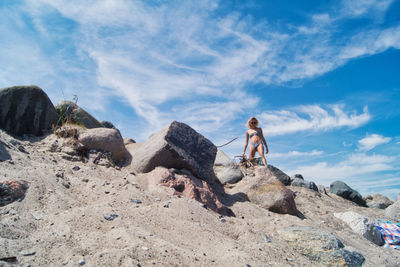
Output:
x=321 y=76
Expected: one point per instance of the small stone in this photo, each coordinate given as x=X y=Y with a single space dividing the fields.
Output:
x=145 y=248
x=76 y=168
x=82 y=262
x=166 y=205
x=137 y=201
x=222 y=219
x=66 y=184
x=28 y=252
x=85 y=180
x=110 y=217
x=158 y=199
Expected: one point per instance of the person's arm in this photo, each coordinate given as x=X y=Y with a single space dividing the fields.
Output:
x=245 y=145
x=265 y=142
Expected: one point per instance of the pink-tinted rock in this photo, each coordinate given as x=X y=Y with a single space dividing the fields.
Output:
x=11 y=191
x=191 y=187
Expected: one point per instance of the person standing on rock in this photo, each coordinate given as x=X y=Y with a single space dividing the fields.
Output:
x=255 y=134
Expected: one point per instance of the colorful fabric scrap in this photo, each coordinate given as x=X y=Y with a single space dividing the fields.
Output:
x=390 y=233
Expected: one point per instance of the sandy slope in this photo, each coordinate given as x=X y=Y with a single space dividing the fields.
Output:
x=65 y=225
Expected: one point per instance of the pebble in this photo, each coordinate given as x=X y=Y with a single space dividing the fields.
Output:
x=222 y=219
x=166 y=205
x=28 y=252
x=66 y=184
x=76 y=168
x=158 y=199
x=145 y=248
x=137 y=201
x=110 y=217
x=85 y=180
x=82 y=262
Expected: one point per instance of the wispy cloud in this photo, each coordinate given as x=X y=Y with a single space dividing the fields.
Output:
x=296 y=154
x=152 y=54
x=311 y=118
x=371 y=141
x=354 y=166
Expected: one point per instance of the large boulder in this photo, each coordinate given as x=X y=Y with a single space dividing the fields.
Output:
x=304 y=183
x=267 y=191
x=104 y=139
x=26 y=110
x=226 y=170
x=69 y=111
x=321 y=247
x=341 y=189
x=177 y=146
x=393 y=211
x=378 y=201
x=272 y=171
x=362 y=226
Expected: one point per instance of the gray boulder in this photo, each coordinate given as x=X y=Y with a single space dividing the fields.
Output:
x=362 y=226
x=272 y=171
x=26 y=110
x=378 y=201
x=177 y=146
x=304 y=183
x=299 y=176
x=226 y=170
x=68 y=110
x=108 y=125
x=341 y=189
x=104 y=139
x=393 y=211
x=321 y=247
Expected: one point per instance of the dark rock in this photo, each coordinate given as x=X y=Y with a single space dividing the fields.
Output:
x=110 y=217
x=76 y=168
x=4 y=155
x=304 y=183
x=137 y=201
x=26 y=110
x=341 y=189
x=299 y=176
x=177 y=146
x=69 y=111
x=108 y=125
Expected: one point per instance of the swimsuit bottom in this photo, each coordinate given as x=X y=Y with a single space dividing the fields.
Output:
x=255 y=145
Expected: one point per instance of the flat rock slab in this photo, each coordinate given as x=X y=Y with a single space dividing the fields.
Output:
x=321 y=246
x=26 y=110
x=177 y=146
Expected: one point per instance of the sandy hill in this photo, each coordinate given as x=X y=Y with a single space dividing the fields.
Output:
x=77 y=213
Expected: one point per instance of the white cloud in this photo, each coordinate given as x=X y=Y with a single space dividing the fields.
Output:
x=371 y=141
x=355 y=165
x=310 y=118
x=358 y=8
x=296 y=154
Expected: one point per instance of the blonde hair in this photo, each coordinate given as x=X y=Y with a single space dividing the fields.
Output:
x=252 y=119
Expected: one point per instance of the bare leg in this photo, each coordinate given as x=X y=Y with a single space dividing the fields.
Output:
x=260 y=150
x=252 y=152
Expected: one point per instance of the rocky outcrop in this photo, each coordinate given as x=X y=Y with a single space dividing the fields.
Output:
x=104 y=139
x=226 y=170
x=177 y=146
x=69 y=111
x=341 y=189
x=304 y=183
x=272 y=171
x=298 y=176
x=321 y=247
x=189 y=186
x=362 y=226
x=26 y=110
x=11 y=191
x=393 y=211
x=378 y=201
